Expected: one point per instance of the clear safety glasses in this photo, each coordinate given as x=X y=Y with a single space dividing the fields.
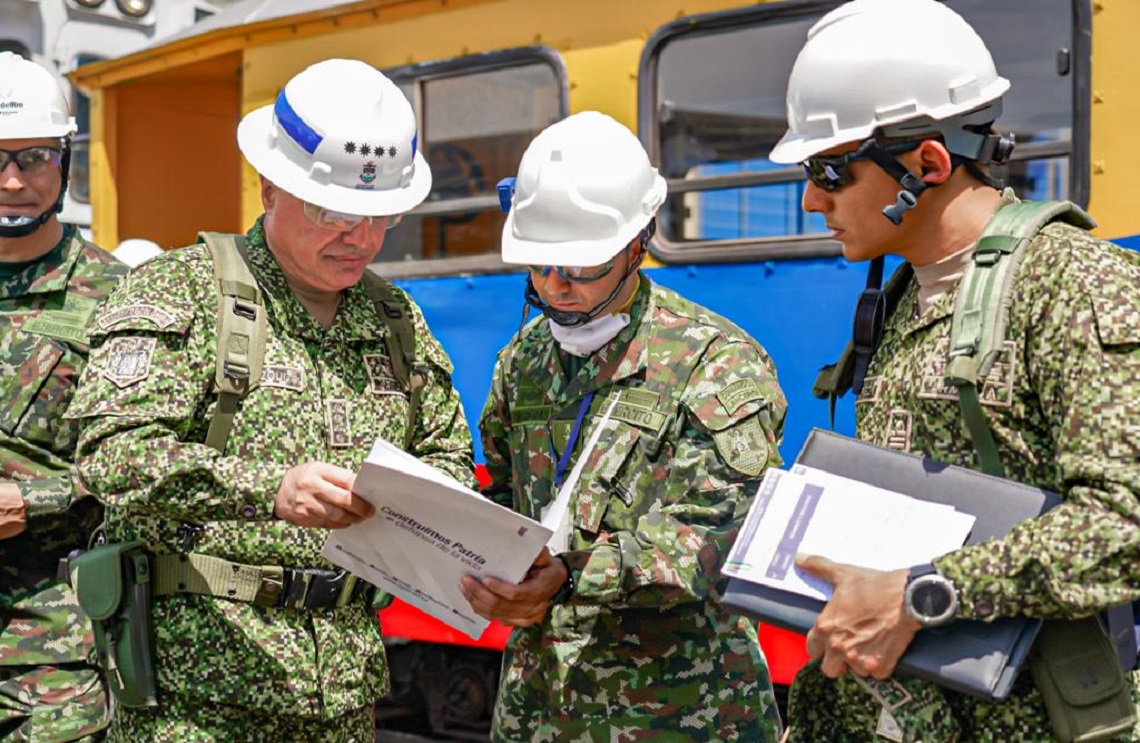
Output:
x=575 y=274
x=833 y=173
x=331 y=220
x=32 y=160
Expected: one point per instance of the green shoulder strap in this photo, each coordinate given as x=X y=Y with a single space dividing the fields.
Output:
x=401 y=342
x=834 y=380
x=981 y=310
x=241 y=332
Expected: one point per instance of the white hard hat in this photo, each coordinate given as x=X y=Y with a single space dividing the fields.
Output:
x=32 y=104
x=585 y=189
x=136 y=250
x=343 y=136
x=907 y=67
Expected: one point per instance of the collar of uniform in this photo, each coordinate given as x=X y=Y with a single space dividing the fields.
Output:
x=356 y=318
x=907 y=316
x=51 y=272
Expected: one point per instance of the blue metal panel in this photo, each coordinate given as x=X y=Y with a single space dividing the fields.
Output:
x=800 y=311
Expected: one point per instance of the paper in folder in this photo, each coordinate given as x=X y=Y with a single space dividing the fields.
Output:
x=971 y=657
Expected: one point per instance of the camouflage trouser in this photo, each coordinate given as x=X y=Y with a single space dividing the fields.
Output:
x=184 y=720
x=52 y=703
x=848 y=711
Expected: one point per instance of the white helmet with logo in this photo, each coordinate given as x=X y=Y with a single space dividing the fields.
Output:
x=341 y=135
x=585 y=190
x=907 y=67
x=32 y=104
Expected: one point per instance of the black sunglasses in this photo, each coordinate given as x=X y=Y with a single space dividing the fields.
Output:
x=31 y=159
x=833 y=173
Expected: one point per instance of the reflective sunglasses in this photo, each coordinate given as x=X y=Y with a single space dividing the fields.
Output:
x=575 y=274
x=32 y=160
x=833 y=173
x=332 y=220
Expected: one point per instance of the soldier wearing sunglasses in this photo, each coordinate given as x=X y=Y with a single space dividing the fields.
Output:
x=51 y=280
x=891 y=106
x=617 y=625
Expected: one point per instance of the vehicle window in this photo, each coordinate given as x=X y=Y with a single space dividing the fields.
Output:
x=713 y=107
x=79 y=182
x=477 y=115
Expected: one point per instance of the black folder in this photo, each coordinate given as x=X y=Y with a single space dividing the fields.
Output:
x=972 y=657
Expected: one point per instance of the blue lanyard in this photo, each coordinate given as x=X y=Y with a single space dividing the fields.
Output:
x=563 y=461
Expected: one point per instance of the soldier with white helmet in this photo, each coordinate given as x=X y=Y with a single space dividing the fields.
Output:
x=235 y=388
x=51 y=280
x=1006 y=342
x=644 y=421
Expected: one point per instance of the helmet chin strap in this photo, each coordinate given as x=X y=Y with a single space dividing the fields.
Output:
x=912 y=187
x=578 y=319
x=16 y=226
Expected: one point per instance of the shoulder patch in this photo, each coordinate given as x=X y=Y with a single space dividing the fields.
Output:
x=128 y=359
x=738 y=393
x=160 y=317
x=744 y=446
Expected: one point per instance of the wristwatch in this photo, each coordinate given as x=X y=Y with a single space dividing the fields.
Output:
x=930 y=597
x=567 y=589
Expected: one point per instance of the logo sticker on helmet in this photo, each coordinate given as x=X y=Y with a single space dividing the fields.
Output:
x=368 y=174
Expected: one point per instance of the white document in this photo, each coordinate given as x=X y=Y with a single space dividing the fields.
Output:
x=813 y=512
x=429 y=530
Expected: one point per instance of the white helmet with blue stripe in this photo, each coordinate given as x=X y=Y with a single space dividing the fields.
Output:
x=342 y=136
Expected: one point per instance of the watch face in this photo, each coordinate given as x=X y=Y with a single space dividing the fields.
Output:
x=931 y=599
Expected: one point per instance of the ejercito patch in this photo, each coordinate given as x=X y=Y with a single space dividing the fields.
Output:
x=128 y=359
x=744 y=446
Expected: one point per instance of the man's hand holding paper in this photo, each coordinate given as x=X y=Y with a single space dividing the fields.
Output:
x=428 y=533
x=864 y=626
x=517 y=604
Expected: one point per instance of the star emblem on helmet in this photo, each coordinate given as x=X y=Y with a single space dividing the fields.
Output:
x=391 y=152
x=365 y=150
x=350 y=147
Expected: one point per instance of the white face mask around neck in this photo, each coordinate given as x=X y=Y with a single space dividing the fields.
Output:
x=586 y=339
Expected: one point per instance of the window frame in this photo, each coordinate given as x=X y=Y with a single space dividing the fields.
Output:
x=423 y=72
x=806 y=246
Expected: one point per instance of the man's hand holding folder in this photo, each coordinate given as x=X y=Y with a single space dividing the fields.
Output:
x=864 y=627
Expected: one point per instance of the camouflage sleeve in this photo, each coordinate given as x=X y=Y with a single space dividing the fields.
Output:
x=495 y=427
x=1082 y=352
x=688 y=506
x=442 y=437
x=142 y=403
x=45 y=496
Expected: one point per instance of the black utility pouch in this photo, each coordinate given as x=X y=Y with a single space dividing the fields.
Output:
x=1086 y=695
x=113 y=584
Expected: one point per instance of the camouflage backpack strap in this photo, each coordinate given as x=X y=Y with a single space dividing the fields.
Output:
x=401 y=342
x=241 y=331
x=834 y=380
x=981 y=310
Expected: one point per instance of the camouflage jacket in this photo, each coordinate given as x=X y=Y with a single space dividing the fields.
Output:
x=1063 y=402
x=659 y=503
x=44 y=315
x=325 y=395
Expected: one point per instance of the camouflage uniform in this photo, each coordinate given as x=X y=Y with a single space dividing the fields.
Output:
x=642 y=651
x=324 y=395
x=1063 y=401
x=48 y=689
